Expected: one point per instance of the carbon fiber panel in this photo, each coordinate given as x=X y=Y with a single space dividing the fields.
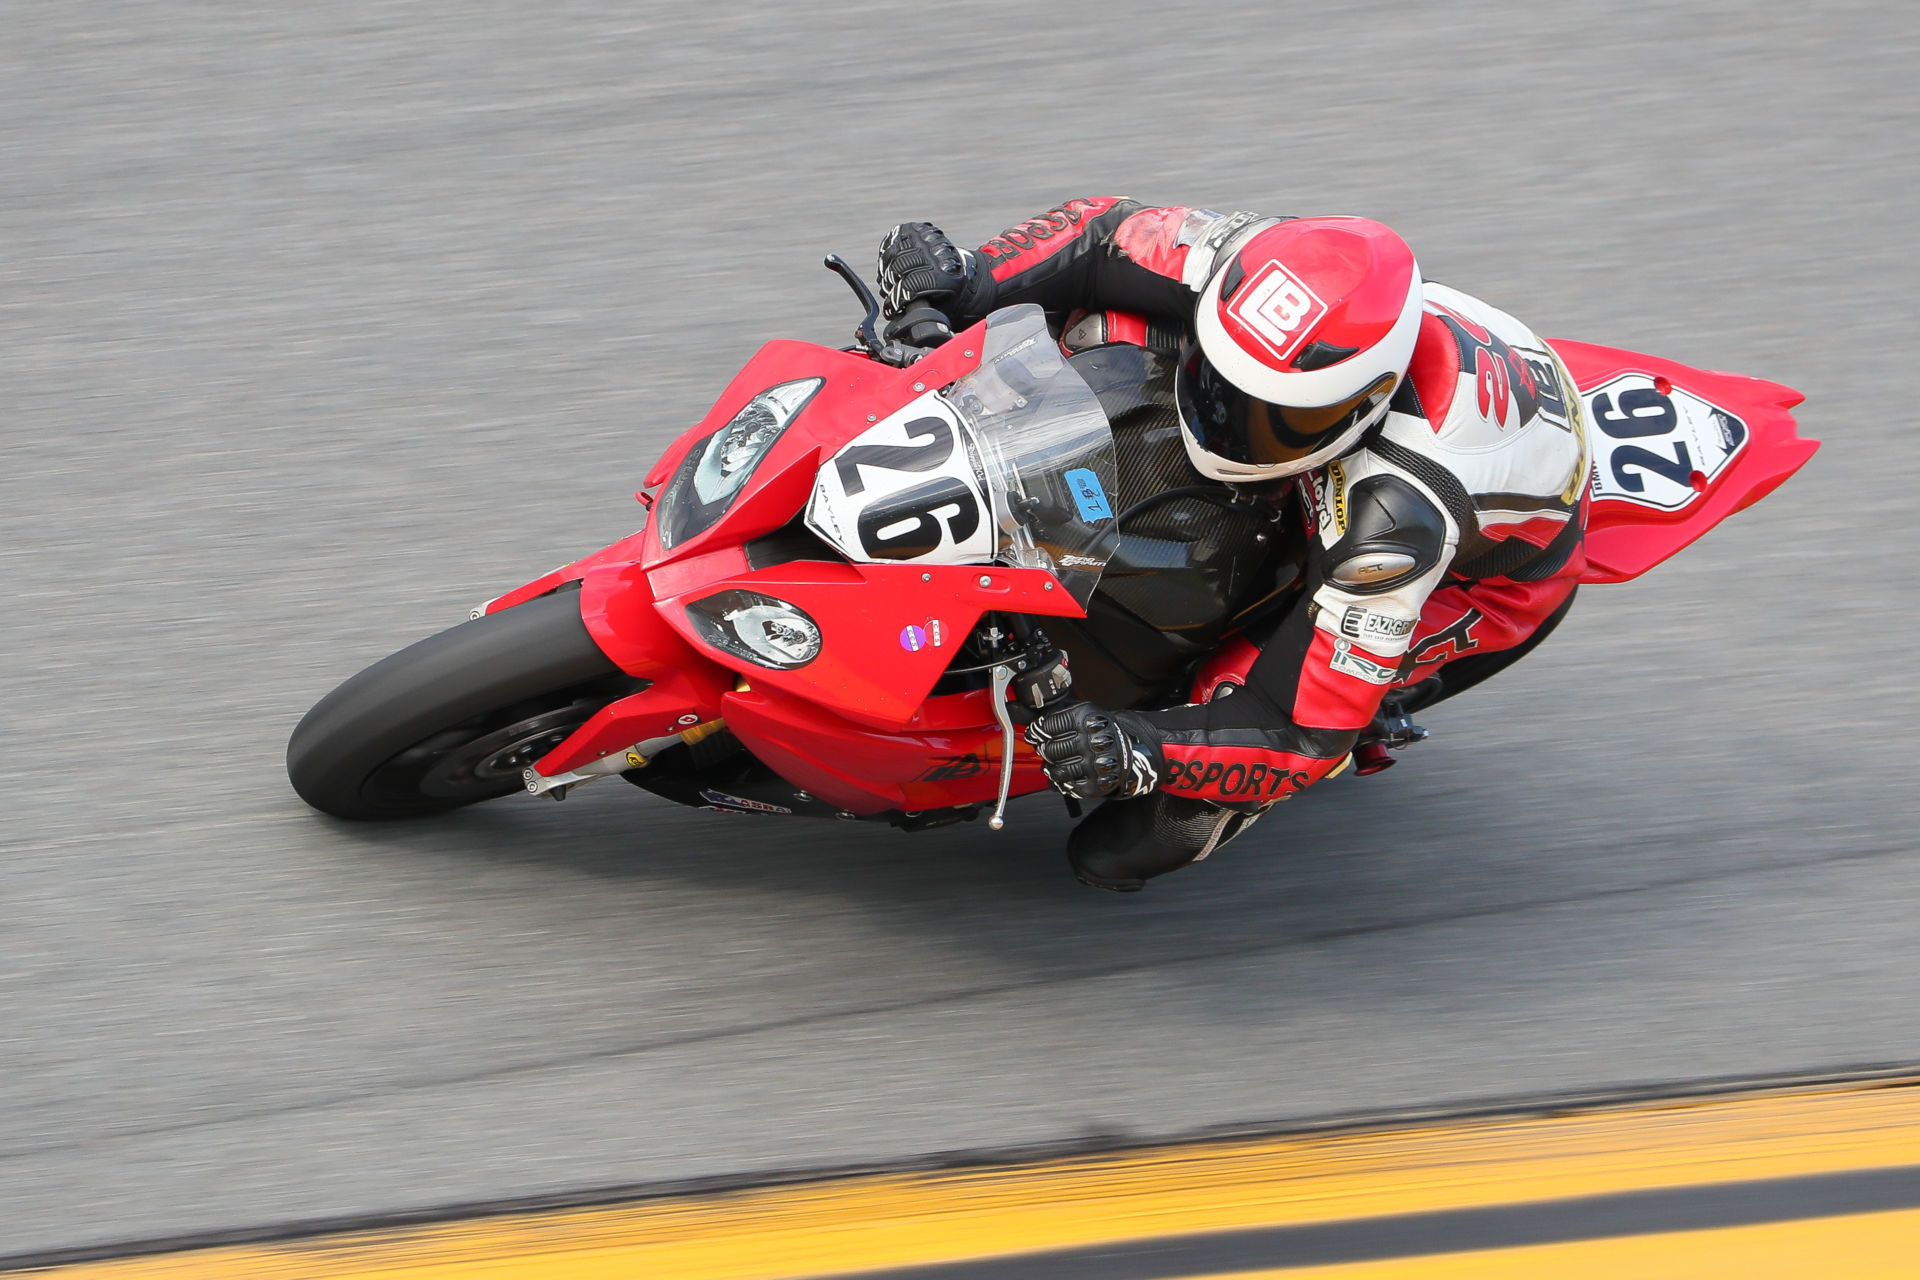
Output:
x=1186 y=564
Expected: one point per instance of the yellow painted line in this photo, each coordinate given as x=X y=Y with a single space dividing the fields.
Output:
x=1868 y=1246
x=861 y=1223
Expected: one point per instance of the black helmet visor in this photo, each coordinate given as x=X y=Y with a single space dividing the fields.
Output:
x=1228 y=423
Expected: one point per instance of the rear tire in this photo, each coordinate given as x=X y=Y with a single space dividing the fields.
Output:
x=453 y=720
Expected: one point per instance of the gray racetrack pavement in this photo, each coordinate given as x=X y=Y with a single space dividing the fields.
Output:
x=320 y=323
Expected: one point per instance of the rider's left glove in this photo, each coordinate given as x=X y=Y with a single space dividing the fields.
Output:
x=1090 y=753
x=925 y=276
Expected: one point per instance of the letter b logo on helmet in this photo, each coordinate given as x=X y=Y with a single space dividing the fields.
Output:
x=1276 y=310
x=1304 y=333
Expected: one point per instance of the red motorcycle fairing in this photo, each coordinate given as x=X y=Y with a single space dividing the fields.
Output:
x=888 y=630
x=1676 y=450
x=857 y=392
x=865 y=668
x=949 y=757
x=855 y=387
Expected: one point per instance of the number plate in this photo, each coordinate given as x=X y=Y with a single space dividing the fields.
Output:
x=905 y=489
x=1656 y=444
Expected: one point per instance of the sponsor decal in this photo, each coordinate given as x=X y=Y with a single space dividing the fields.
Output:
x=915 y=638
x=1276 y=309
x=1088 y=495
x=1547 y=386
x=1449 y=642
x=1237 y=781
x=1346 y=661
x=1073 y=560
x=1330 y=498
x=736 y=804
x=824 y=514
x=1060 y=219
x=1508 y=391
x=1359 y=622
x=953 y=768
x=1732 y=430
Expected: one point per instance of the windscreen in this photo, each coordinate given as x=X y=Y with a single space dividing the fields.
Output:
x=1046 y=451
x=1011 y=464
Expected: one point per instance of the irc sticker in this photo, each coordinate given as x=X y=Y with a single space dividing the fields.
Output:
x=913 y=639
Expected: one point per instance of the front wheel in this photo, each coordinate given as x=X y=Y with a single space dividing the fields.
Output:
x=453 y=719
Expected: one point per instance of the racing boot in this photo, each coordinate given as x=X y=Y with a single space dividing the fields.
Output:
x=1124 y=843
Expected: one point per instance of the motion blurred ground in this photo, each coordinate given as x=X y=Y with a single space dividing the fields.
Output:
x=318 y=325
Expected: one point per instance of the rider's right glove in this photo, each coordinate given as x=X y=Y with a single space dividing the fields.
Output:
x=1090 y=753
x=922 y=272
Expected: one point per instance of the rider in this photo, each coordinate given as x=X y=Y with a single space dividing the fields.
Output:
x=1435 y=443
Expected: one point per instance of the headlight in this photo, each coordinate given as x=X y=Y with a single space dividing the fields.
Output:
x=762 y=630
x=717 y=468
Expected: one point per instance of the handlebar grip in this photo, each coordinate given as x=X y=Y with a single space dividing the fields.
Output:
x=921 y=325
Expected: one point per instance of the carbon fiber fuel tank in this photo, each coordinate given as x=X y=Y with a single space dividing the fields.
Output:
x=1192 y=561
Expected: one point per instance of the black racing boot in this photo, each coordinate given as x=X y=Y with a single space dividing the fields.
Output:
x=1124 y=843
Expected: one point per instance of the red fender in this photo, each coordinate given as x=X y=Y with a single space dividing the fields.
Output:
x=628 y=548
x=616 y=603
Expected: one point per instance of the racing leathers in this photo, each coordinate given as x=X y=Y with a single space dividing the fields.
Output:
x=1453 y=531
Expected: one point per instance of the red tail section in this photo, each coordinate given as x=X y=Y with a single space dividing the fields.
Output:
x=1676 y=450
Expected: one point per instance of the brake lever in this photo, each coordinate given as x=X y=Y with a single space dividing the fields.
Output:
x=867 y=331
x=1036 y=682
x=1002 y=677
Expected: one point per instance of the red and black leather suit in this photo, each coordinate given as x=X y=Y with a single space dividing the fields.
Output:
x=1475 y=483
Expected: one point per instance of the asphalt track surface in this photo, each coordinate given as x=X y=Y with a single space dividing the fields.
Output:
x=320 y=324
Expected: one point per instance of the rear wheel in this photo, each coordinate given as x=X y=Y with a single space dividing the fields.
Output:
x=453 y=719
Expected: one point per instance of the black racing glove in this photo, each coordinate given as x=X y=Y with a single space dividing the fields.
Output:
x=1090 y=753
x=925 y=279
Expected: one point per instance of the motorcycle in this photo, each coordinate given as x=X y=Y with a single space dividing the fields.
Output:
x=865 y=565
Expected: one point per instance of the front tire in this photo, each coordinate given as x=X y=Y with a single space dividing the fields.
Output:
x=453 y=720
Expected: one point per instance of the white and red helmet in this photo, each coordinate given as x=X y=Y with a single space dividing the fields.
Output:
x=1305 y=332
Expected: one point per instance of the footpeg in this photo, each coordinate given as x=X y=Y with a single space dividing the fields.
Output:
x=1401 y=732
x=1393 y=730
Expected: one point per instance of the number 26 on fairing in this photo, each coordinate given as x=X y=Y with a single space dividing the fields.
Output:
x=906 y=491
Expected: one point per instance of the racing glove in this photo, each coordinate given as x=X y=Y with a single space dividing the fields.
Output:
x=1090 y=753
x=926 y=280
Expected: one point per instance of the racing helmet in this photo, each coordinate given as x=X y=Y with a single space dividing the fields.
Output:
x=1303 y=334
